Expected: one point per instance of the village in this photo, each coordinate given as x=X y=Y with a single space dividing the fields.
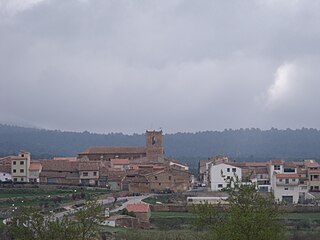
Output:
x=142 y=180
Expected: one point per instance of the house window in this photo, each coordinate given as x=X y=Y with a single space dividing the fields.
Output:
x=94 y=173
x=155 y=178
x=21 y=179
x=287 y=181
x=280 y=180
x=276 y=167
x=21 y=162
x=315 y=176
x=234 y=169
x=159 y=183
x=14 y=170
x=220 y=185
x=14 y=163
x=293 y=180
x=85 y=174
x=228 y=169
x=21 y=170
x=286 y=188
x=15 y=179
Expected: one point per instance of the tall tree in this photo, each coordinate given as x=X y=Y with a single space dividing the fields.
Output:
x=248 y=216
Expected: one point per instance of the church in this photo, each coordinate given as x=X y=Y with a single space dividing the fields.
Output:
x=152 y=152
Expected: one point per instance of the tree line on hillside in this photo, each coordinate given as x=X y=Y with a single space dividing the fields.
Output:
x=242 y=144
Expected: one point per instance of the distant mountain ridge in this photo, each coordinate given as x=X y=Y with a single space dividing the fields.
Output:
x=242 y=144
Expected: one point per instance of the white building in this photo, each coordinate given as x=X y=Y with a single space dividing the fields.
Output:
x=4 y=177
x=221 y=173
x=285 y=182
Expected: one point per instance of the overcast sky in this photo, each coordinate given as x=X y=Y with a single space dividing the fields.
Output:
x=182 y=65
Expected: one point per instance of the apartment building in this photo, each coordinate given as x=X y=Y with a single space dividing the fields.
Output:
x=20 y=167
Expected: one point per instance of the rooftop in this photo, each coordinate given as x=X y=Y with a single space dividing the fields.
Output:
x=138 y=207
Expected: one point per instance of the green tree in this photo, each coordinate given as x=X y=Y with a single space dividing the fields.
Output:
x=30 y=224
x=248 y=216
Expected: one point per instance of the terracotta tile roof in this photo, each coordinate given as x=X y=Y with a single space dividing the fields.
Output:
x=120 y=161
x=35 y=165
x=287 y=175
x=290 y=164
x=146 y=166
x=276 y=162
x=311 y=163
x=114 y=150
x=88 y=166
x=64 y=166
x=138 y=208
x=5 y=169
x=65 y=158
x=261 y=170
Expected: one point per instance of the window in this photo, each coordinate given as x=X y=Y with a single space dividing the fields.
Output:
x=228 y=169
x=169 y=177
x=94 y=173
x=315 y=176
x=293 y=180
x=21 y=162
x=15 y=179
x=21 y=170
x=85 y=174
x=286 y=188
x=220 y=185
x=159 y=183
x=14 y=170
x=280 y=180
x=155 y=178
x=276 y=167
x=21 y=179
x=287 y=181
x=234 y=169
x=14 y=163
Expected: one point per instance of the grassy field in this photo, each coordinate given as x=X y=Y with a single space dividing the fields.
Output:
x=45 y=196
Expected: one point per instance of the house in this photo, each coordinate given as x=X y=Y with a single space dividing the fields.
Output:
x=141 y=210
x=20 y=167
x=34 y=171
x=285 y=181
x=135 y=183
x=60 y=172
x=114 y=180
x=204 y=168
x=169 y=179
x=313 y=175
x=120 y=163
x=5 y=169
x=88 y=173
x=5 y=176
x=221 y=173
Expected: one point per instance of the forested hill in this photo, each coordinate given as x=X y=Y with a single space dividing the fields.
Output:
x=242 y=144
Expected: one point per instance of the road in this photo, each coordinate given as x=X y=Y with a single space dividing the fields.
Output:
x=125 y=201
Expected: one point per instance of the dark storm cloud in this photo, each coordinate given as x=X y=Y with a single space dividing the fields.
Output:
x=116 y=65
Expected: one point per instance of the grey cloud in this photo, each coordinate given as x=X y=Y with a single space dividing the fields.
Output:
x=181 y=65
